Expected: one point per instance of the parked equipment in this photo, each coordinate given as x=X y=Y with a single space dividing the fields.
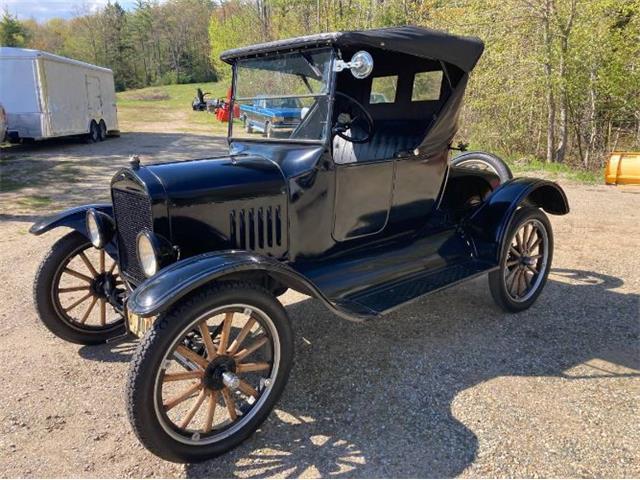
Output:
x=222 y=109
x=48 y=96
x=200 y=102
x=622 y=168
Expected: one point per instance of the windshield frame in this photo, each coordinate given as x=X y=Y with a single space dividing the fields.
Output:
x=330 y=95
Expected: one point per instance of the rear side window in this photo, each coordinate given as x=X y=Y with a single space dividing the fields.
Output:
x=426 y=86
x=384 y=89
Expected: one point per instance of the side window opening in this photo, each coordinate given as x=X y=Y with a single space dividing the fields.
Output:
x=384 y=89
x=427 y=86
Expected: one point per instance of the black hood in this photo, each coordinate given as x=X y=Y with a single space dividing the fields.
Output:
x=226 y=202
x=221 y=179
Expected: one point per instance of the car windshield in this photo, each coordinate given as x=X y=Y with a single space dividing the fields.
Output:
x=283 y=96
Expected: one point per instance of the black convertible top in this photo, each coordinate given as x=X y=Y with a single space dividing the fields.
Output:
x=463 y=52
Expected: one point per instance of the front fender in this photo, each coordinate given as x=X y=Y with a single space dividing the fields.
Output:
x=74 y=218
x=172 y=283
x=488 y=226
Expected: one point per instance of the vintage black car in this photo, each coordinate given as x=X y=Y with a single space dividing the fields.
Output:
x=358 y=206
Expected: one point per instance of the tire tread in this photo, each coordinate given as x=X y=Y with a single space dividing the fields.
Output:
x=138 y=376
x=42 y=290
x=496 y=285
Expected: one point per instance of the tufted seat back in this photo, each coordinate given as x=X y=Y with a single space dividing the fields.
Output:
x=388 y=140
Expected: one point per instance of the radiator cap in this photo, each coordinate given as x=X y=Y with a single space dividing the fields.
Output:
x=134 y=161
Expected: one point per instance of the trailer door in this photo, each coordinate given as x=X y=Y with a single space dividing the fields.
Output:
x=94 y=97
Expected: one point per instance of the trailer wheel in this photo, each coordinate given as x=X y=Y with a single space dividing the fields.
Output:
x=94 y=132
x=102 y=130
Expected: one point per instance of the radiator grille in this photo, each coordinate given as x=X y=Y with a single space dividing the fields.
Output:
x=260 y=229
x=132 y=212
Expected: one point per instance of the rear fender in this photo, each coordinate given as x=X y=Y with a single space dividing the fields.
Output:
x=74 y=218
x=488 y=226
x=160 y=292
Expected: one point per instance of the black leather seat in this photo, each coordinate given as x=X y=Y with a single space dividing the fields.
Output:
x=388 y=140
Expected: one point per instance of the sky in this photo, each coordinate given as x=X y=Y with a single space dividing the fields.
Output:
x=46 y=9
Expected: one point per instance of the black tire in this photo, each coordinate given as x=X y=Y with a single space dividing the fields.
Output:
x=148 y=418
x=267 y=130
x=102 y=131
x=484 y=161
x=47 y=301
x=248 y=127
x=500 y=278
x=94 y=132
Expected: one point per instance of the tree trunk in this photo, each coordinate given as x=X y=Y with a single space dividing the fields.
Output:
x=593 y=125
x=564 y=121
x=548 y=71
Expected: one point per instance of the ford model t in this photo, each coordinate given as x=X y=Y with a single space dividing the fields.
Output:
x=357 y=205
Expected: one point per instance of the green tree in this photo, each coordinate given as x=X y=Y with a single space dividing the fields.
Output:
x=12 y=32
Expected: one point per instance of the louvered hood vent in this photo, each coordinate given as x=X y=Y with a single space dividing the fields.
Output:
x=262 y=229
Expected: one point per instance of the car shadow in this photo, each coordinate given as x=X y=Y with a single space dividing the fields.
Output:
x=142 y=143
x=60 y=173
x=375 y=399
x=118 y=350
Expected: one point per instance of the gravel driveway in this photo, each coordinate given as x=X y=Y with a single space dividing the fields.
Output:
x=448 y=386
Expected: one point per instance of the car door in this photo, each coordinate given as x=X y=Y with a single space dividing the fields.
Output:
x=364 y=172
x=363 y=192
x=419 y=176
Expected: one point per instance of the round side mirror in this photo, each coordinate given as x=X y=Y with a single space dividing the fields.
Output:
x=361 y=64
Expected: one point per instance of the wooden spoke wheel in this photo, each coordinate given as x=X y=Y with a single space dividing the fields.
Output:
x=86 y=284
x=212 y=368
x=78 y=292
x=217 y=373
x=526 y=260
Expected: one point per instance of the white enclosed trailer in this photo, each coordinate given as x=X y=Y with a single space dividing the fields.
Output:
x=46 y=96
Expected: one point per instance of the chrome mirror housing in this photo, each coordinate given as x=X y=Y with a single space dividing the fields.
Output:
x=361 y=64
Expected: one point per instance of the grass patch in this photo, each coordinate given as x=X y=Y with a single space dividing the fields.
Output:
x=144 y=95
x=555 y=170
x=172 y=96
x=34 y=201
x=170 y=103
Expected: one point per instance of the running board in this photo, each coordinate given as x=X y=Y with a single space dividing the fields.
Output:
x=383 y=298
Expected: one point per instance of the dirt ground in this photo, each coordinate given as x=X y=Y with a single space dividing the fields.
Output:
x=448 y=386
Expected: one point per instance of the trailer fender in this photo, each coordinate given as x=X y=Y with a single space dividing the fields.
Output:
x=160 y=292
x=489 y=225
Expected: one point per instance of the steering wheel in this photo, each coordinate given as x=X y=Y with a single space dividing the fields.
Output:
x=343 y=126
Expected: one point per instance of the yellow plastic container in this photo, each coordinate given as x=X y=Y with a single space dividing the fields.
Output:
x=623 y=168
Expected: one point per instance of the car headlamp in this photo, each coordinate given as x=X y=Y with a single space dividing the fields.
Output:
x=147 y=254
x=100 y=227
x=154 y=252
